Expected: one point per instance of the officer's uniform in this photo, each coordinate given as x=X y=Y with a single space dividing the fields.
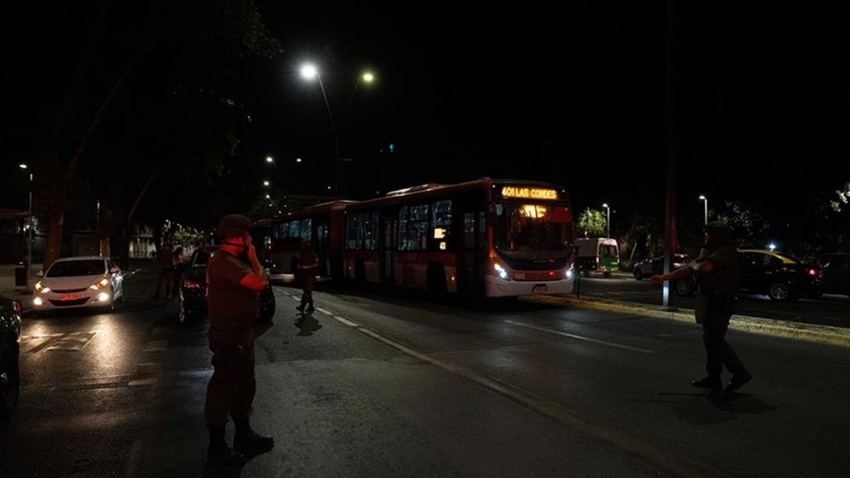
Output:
x=233 y=310
x=715 y=304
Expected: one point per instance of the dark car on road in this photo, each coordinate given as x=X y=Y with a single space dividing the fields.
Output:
x=778 y=275
x=192 y=297
x=10 y=338
x=836 y=272
x=655 y=266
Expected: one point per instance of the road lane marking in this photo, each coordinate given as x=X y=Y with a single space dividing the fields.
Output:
x=659 y=458
x=643 y=452
x=579 y=337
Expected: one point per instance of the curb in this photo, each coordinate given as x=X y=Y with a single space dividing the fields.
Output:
x=810 y=332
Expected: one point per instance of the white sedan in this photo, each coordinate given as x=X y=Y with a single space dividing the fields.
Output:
x=79 y=282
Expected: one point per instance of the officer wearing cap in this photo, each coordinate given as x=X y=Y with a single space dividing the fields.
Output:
x=233 y=302
x=718 y=276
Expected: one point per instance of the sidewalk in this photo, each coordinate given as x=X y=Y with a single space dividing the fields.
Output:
x=8 y=288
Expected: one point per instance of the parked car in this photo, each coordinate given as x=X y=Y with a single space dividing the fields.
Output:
x=79 y=282
x=10 y=336
x=192 y=297
x=836 y=272
x=655 y=265
x=778 y=275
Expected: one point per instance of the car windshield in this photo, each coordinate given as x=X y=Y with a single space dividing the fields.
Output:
x=201 y=259
x=76 y=268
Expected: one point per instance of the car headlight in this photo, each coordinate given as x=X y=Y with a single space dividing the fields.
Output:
x=101 y=284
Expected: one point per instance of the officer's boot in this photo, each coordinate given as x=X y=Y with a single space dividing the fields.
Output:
x=246 y=438
x=218 y=452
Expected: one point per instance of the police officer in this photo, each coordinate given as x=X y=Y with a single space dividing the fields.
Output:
x=718 y=277
x=232 y=297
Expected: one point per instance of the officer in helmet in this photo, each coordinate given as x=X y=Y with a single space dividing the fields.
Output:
x=718 y=276
x=233 y=302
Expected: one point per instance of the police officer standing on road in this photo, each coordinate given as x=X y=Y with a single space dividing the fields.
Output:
x=232 y=297
x=718 y=277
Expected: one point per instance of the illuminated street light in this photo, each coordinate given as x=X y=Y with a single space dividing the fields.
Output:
x=309 y=72
x=607 y=220
x=705 y=205
x=29 y=229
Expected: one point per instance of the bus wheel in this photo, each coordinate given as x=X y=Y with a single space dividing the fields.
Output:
x=437 y=280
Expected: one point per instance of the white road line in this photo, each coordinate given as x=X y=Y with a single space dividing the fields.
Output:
x=579 y=337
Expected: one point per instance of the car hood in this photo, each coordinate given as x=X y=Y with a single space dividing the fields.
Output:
x=70 y=282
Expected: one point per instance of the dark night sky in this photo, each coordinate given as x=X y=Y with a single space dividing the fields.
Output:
x=576 y=97
x=579 y=98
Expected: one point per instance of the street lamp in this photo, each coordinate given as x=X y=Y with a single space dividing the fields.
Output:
x=29 y=229
x=309 y=72
x=607 y=220
x=705 y=205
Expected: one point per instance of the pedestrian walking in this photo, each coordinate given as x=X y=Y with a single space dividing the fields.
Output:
x=164 y=274
x=178 y=265
x=718 y=273
x=233 y=303
x=308 y=263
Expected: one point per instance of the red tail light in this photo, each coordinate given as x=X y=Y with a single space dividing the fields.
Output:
x=19 y=306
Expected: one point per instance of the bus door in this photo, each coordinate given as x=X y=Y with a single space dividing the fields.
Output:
x=472 y=253
x=320 y=245
x=389 y=226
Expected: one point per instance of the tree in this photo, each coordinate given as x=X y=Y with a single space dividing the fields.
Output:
x=122 y=40
x=591 y=223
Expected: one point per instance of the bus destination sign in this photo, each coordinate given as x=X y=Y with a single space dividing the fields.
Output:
x=523 y=192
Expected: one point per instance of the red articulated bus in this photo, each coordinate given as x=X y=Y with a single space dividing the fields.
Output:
x=485 y=238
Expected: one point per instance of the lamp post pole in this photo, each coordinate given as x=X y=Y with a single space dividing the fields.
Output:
x=607 y=220
x=310 y=71
x=705 y=206
x=29 y=229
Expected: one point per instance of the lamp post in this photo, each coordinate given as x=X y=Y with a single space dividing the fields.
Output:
x=607 y=220
x=705 y=206
x=29 y=229
x=309 y=72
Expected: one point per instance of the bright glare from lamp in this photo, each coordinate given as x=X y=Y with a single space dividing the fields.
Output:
x=771 y=246
x=22 y=166
x=368 y=77
x=309 y=71
x=269 y=159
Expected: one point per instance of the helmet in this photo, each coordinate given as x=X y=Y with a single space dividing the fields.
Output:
x=233 y=225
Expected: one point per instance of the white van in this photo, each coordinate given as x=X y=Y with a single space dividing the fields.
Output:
x=600 y=254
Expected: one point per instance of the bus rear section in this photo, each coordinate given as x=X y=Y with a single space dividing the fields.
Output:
x=598 y=254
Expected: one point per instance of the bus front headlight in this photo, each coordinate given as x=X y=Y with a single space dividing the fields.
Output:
x=501 y=272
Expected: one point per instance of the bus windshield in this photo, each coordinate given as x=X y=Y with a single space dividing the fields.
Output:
x=523 y=231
